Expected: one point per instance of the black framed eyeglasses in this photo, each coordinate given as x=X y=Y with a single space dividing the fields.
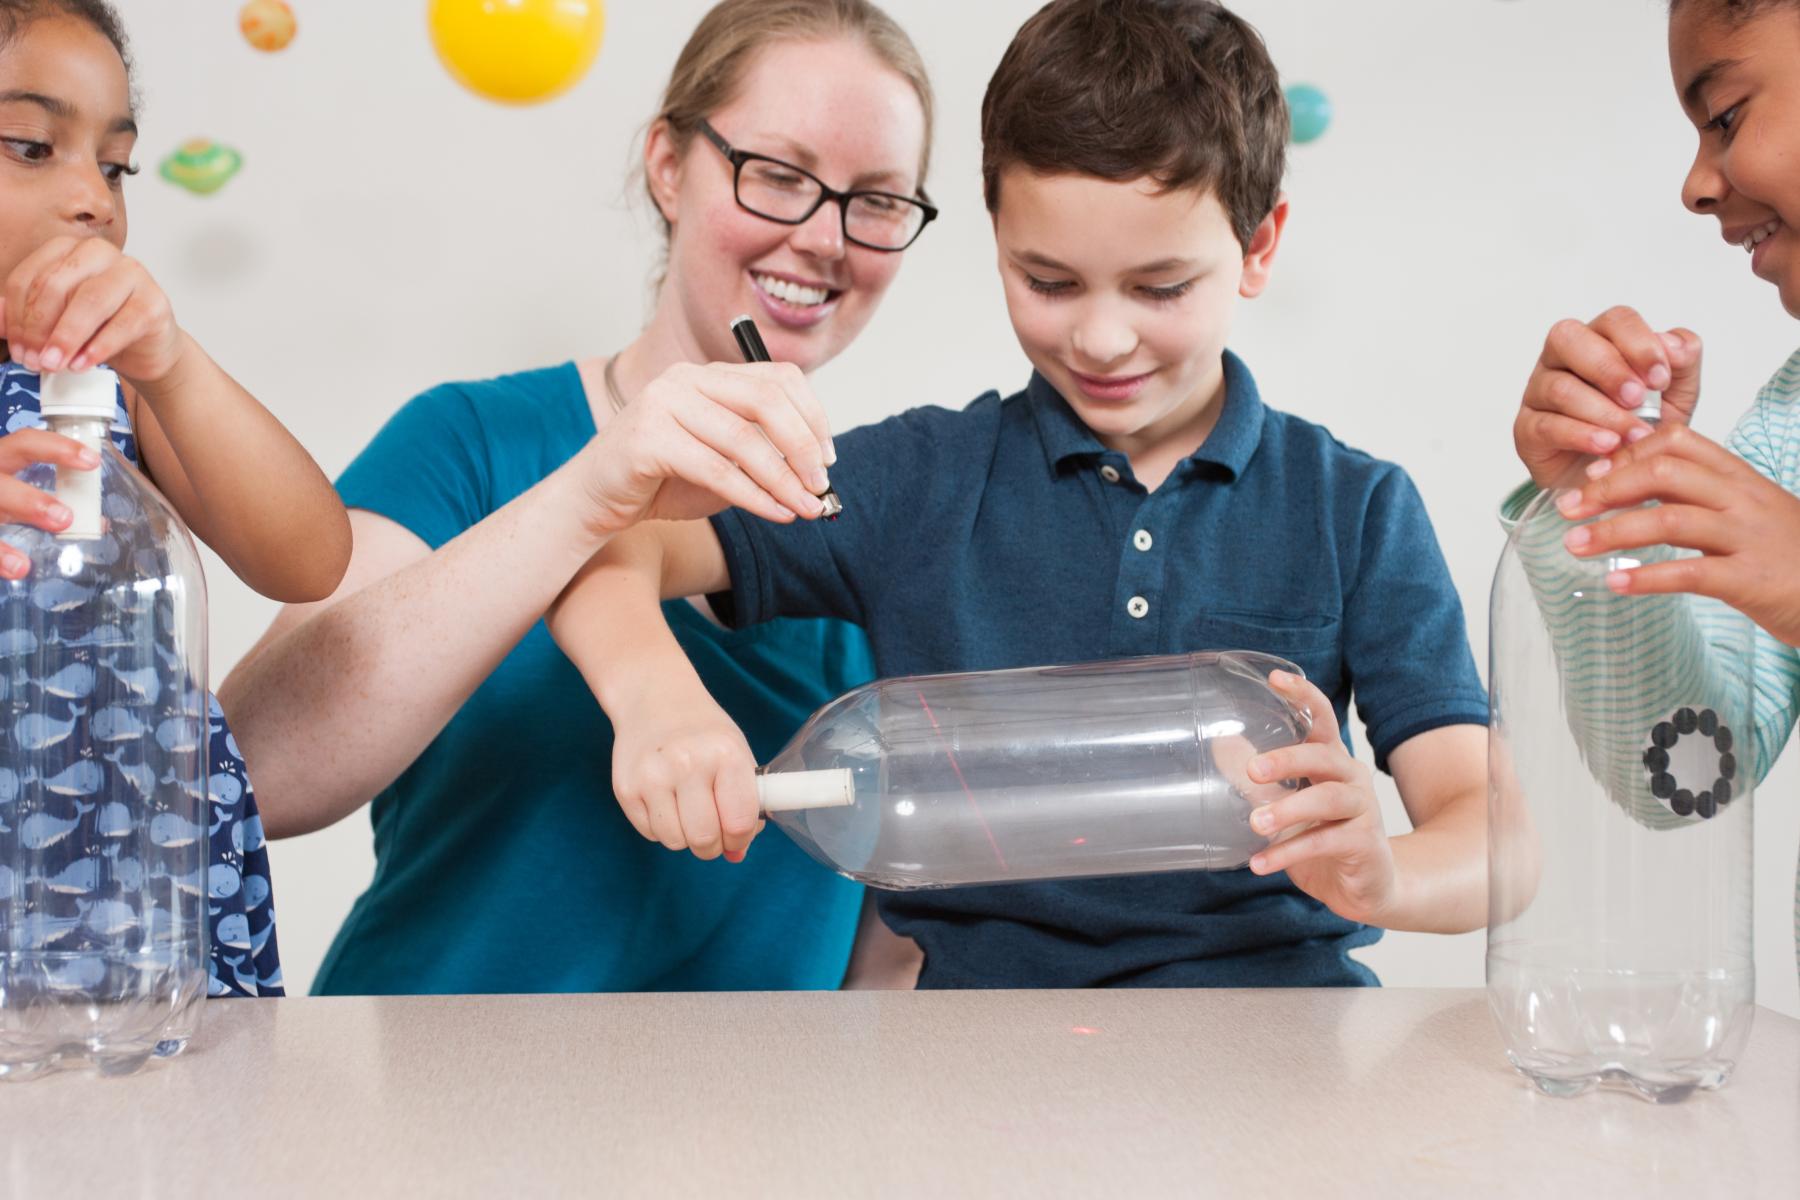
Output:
x=789 y=195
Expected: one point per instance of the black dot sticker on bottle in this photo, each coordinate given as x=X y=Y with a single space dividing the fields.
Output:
x=1659 y=763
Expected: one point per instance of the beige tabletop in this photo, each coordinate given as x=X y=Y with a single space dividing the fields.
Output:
x=1379 y=1092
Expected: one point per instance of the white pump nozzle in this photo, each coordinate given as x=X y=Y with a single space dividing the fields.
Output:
x=80 y=405
x=788 y=791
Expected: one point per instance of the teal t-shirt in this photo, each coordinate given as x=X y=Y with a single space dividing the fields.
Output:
x=503 y=863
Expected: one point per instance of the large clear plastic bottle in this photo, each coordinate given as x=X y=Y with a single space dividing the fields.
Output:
x=103 y=744
x=1108 y=768
x=1619 y=939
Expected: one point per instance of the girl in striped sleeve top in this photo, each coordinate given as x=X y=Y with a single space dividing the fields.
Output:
x=1736 y=66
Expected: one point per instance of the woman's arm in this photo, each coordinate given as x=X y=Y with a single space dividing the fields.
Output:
x=339 y=697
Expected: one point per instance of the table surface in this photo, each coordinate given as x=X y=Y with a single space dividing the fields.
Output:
x=1391 y=1092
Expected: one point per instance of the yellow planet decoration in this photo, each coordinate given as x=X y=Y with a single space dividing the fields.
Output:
x=517 y=51
x=202 y=166
x=267 y=24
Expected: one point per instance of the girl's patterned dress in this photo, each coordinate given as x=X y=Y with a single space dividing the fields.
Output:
x=244 y=960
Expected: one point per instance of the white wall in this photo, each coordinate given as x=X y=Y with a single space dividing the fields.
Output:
x=1493 y=166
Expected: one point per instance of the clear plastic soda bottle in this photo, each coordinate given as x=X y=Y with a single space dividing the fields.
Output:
x=1110 y=768
x=1621 y=771
x=103 y=744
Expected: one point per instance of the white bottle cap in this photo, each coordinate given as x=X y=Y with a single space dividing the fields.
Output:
x=786 y=791
x=92 y=393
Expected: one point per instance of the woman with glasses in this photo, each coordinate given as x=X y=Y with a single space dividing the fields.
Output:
x=787 y=166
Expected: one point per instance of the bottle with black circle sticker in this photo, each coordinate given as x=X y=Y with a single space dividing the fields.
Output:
x=1622 y=751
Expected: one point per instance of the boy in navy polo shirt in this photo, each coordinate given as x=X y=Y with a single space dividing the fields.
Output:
x=1136 y=498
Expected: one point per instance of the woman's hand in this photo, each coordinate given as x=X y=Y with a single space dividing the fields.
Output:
x=699 y=439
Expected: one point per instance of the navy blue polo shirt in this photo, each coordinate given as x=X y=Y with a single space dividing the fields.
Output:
x=1006 y=535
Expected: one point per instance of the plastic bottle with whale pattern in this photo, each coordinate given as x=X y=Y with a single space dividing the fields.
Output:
x=103 y=779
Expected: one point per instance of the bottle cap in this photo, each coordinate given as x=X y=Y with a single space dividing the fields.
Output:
x=1650 y=409
x=92 y=393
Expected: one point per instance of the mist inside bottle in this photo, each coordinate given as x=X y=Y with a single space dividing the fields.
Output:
x=1045 y=773
x=104 y=819
x=1620 y=821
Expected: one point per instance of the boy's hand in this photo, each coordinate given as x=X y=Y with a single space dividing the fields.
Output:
x=1745 y=527
x=78 y=302
x=685 y=776
x=1336 y=849
x=701 y=438
x=22 y=504
x=1581 y=394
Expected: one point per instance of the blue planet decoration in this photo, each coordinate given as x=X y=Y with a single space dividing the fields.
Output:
x=1309 y=113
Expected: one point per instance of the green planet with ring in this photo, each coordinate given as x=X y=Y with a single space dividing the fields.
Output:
x=202 y=166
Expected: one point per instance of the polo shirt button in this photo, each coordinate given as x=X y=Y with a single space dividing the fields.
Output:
x=1137 y=606
x=1142 y=539
x=1109 y=472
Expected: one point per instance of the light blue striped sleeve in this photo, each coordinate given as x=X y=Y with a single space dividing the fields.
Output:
x=1680 y=650
x=1768 y=438
x=1626 y=663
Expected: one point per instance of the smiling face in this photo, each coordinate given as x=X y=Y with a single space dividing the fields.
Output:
x=1739 y=82
x=835 y=109
x=1122 y=295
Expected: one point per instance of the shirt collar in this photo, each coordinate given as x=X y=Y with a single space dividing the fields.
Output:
x=1229 y=446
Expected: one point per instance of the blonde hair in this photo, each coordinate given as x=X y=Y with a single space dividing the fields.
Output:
x=711 y=68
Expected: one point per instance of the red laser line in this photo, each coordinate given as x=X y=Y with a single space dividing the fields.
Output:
x=951 y=755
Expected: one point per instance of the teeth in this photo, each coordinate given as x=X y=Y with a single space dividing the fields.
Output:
x=1757 y=237
x=793 y=293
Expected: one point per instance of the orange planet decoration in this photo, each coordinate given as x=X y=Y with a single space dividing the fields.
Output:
x=267 y=24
